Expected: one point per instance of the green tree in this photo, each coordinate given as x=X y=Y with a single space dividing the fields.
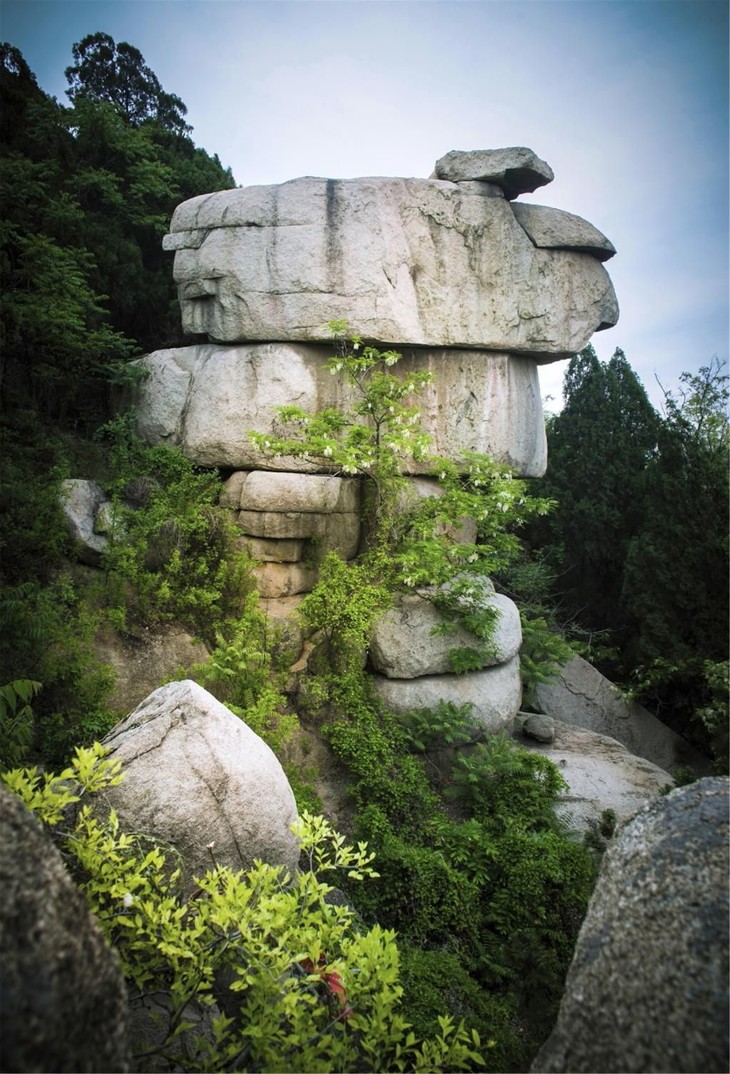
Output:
x=598 y=449
x=105 y=71
x=676 y=582
x=87 y=194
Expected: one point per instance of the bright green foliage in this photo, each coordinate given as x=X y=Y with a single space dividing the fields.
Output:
x=343 y=608
x=446 y=725
x=240 y=673
x=372 y=438
x=16 y=720
x=299 y=985
x=489 y=778
x=409 y=545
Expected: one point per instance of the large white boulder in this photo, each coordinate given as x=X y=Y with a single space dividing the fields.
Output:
x=404 y=645
x=404 y=261
x=205 y=400
x=198 y=778
x=495 y=693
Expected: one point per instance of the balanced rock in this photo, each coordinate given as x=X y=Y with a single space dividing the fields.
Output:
x=404 y=644
x=198 y=778
x=515 y=171
x=63 y=1002
x=404 y=261
x=494 y=694
x=205 y=400
x=647 y=988
x=555 y=229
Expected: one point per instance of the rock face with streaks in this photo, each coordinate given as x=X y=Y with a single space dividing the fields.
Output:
x=647 y=988
x=601 y=773
x=426 y=262
x=205 y=400
x=585 y=698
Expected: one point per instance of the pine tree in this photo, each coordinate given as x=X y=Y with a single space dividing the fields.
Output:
x=598 y=449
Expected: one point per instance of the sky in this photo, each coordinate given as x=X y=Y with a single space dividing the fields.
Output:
x=627 y=100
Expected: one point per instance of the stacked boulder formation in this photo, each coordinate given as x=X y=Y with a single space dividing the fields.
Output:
x=464 y=282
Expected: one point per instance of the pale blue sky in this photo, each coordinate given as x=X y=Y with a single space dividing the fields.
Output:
x=625 y=99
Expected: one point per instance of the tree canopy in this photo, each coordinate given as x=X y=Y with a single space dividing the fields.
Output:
x=105 y=71
x=87 y=194
x=640 y=535
x=598 y=449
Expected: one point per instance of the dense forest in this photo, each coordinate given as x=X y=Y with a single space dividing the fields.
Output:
x=620 y=553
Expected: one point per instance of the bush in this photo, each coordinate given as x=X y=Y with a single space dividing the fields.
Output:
x=300 y=985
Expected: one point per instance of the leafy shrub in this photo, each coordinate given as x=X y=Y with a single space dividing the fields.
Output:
x=47 y=635
x=16 y=720
x=506 y=785
x=301 y=987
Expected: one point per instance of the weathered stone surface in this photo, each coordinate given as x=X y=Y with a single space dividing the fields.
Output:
x=515 y=170
x=195 y=774
x=404 y=261
x=303 y=493
x=334 y=533
x=144 y=660
x=284 y=579
x=495 y=693
x=63 y=1003
x=485 y=403
x=274 y=550
x=583 y=697
x=539 y=727
x=556 y=229
x=403 y=645
x=600 y=772
x=80 y=501
x=647 y=989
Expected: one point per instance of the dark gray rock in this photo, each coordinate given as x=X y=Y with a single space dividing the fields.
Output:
x=63 y=1004
x=647 y=989
x=516 y=170
x=539 y=727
